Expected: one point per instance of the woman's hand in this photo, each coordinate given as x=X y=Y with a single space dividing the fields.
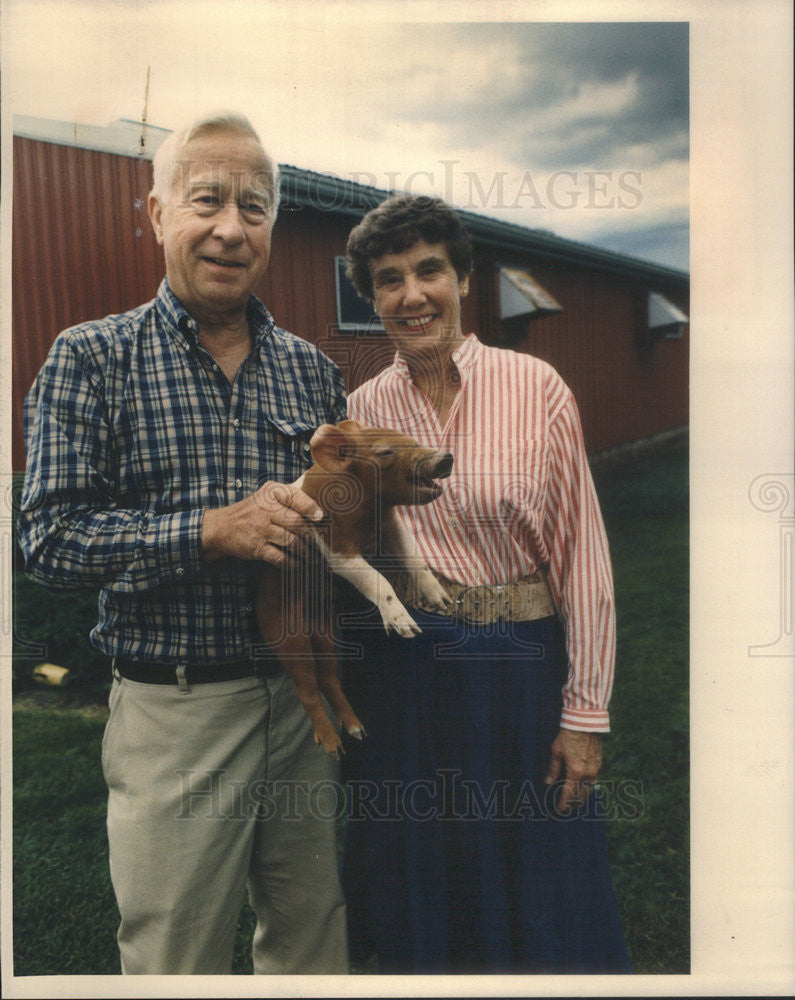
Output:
x=576 y=757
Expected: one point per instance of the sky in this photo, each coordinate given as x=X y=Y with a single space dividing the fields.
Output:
x=578 y=128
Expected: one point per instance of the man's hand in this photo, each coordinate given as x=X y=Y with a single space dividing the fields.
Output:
x=269 y=525
x=577 y=758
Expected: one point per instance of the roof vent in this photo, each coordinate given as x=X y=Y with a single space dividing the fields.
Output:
x=666 y=321
x=522 y=296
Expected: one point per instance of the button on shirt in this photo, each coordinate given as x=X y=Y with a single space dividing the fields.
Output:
x=520 y=497
x=132 y=431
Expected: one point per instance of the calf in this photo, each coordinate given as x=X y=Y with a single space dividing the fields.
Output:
x=358 y=477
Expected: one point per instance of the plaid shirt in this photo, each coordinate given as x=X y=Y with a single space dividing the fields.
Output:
x=132 y=430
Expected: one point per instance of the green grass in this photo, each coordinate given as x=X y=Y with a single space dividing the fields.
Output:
x=65 y=916
x=645 y=509
x=64 y=910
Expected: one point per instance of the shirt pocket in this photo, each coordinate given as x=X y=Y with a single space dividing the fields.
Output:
x=286 y=440
x=521 y=473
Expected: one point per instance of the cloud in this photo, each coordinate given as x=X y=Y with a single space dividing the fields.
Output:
x=524 y=121
x=551 y=96
x=667 y=243
x=381 y=100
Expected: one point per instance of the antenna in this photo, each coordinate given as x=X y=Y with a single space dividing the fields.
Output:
x=142 y=141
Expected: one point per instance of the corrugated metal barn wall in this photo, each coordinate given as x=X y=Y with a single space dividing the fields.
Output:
x=83 y=248
x=627 y=386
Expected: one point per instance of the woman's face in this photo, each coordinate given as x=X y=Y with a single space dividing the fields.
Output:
x=417 y=294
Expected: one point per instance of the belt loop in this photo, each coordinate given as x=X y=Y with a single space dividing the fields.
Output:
x=114 y=669
x=182 y=679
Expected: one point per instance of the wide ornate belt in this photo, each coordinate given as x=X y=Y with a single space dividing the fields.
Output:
x=486 y=603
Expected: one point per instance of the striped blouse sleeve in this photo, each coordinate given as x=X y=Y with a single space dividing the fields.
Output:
x=580 y=574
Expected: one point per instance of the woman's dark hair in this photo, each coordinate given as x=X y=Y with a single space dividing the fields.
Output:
x=397 y=224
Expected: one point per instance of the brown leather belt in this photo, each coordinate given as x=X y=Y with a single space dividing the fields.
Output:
x=524 y=600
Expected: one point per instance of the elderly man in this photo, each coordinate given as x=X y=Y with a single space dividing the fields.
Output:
x=159 y=442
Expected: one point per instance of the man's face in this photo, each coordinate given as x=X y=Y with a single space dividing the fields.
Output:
x=417 y=294
x=215 y=226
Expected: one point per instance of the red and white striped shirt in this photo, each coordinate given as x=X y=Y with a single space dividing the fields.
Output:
x=520 y=497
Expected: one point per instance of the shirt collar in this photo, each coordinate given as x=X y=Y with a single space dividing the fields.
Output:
x=464 y=356
x=179 y=320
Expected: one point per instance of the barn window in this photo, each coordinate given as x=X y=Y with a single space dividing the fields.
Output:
x=666 y=321
x=353 y=313
x=521 y=296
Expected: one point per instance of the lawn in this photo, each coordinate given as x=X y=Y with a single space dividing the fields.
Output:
x=64 y=913
x=646 y=512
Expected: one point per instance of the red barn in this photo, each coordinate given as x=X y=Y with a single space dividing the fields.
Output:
x=615 y=327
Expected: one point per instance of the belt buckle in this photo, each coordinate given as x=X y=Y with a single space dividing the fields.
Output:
x=258 y=665
x=265 y=666
x=505 y=592
x=484 y=603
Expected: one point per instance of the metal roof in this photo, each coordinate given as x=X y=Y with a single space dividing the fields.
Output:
x=327 y=192
x=123 y=137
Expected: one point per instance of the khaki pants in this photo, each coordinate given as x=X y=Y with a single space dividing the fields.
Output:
x=211 y=790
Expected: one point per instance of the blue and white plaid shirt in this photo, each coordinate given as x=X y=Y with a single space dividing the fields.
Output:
x=132 y=430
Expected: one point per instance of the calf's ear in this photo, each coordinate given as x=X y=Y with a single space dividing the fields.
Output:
x=351 y=426
x=332 y=448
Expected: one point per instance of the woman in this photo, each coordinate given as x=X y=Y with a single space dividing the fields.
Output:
x=474 y=840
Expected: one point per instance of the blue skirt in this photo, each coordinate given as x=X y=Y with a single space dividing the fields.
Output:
x=455 y=858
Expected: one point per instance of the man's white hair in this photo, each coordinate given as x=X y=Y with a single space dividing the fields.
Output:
x=167 y=156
